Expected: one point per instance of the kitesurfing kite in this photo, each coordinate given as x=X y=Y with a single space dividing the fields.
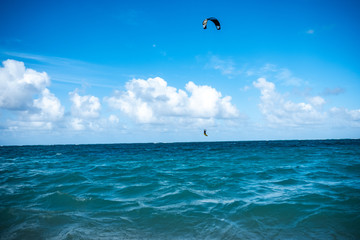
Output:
x=214 y=20
x=205 y=132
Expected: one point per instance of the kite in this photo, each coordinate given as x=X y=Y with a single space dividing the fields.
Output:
x=214 y=20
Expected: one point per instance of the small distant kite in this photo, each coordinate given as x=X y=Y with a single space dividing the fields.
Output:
x=214 y=20
x=205 y=133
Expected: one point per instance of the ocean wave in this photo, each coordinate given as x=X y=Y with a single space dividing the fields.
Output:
x=223 y=190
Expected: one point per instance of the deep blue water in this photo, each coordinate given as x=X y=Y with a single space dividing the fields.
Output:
x=219 y=190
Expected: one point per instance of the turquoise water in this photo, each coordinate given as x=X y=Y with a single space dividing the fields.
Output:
x=219 y=190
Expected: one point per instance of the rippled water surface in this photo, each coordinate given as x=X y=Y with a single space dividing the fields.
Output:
x=220 y=190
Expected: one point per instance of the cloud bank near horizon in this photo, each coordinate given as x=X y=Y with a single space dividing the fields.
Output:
x=27 y=103
x=153 y=101
x=26 y=94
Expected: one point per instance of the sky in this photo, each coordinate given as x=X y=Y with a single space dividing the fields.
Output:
x=87 y=72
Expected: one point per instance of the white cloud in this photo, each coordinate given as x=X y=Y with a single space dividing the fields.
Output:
x=203 y=101
x=279 y=111
x=77 y=124
x=49 y=106
x=245 y=88
x=345 y=117
x=85 y=112
x=268 y=67
x=113 y=119
x=316 y=101
x=354 y=114
x=18 y=85
x=226 y=67
x=18 y=88
x=84 y=106
x=285 y=76
x=153 y=101
x=279 y=75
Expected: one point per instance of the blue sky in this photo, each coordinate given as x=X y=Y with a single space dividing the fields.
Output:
x=146 y=71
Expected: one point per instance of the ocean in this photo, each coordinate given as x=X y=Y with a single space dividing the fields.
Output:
x=207 y=190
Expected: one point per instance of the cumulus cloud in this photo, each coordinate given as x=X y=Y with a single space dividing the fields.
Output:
x=152 y=101
x=279 y=111
x=85 y=111
x=77 y=124
x=84 y=106
x=316 y=101
x=49 y=107
x=113 y=119
x=345 y=117
x=19 y=87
